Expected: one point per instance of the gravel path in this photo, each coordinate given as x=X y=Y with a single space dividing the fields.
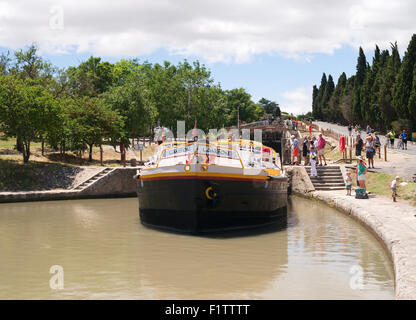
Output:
x=411 y=147
x=399 y=162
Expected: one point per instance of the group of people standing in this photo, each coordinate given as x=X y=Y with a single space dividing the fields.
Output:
x=371 y=145
x=291 y=124
x=313 y=151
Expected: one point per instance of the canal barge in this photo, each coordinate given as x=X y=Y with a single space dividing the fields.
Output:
x=217 y=186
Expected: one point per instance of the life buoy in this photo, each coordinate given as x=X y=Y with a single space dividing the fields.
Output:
x=210 y=194
x=187 y=168
x=204 y=168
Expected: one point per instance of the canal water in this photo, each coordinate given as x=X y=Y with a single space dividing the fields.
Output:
x=105 y=253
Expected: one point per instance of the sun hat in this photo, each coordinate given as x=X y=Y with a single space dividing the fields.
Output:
x=292 y=136
x=397 y=177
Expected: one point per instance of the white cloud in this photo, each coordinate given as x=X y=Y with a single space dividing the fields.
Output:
x=297 y=101
x=216 y=30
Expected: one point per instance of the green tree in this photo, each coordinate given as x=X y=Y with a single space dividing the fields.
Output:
x=27 y=110
x=404 y=84
x=92 y=121
x=91 y=78
x=270 y=107
x=239 y=104
x=320 y=97
x=359 y=79
x=132 y=102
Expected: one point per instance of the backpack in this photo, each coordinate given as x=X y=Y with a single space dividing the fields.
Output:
x=361 y=194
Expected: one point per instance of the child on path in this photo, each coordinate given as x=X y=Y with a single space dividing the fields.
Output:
x=394 y=188
x=348 y=182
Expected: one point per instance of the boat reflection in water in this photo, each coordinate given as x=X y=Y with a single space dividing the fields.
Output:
x=228 y=267
x=209 y=187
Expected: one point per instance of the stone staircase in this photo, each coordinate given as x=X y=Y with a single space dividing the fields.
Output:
x=329 y=178
x=93 y=179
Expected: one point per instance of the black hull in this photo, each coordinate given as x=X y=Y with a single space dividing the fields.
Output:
x=185 y=205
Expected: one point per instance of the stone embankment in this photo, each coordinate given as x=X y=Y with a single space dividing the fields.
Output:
x=117 y=182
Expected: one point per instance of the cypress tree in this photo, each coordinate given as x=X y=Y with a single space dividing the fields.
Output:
x=387 y=78
x=403 y=87
x=359 y=79
x=329 y=89
x=361 y=68
x=412 y=100
x=314 y=100
x=320 y=96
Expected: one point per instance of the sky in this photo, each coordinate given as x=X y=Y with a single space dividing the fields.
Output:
x=273 y=48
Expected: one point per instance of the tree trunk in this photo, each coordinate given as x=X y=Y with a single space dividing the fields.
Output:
x=101 y=155
x=43 y=147
x=26 y=151
x=19 y=144
x=123 y=153
x=90 y=155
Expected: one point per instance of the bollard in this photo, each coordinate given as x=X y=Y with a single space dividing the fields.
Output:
x=385 y=153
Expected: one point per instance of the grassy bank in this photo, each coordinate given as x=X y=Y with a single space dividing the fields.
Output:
x=379 y=184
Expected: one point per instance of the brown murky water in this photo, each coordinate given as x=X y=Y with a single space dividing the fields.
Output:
x=106 y=253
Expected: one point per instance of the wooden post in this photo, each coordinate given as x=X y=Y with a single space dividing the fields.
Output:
x=385 y=153
x=351 y=154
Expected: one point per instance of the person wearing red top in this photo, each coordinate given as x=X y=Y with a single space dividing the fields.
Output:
x=321 y=149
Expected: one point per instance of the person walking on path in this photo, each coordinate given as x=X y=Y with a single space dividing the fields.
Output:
x=394 y=188
x=350 y=129
x=310 y=129
x=403 y=136
x=361 y=172
x=370 y=151
x=312 y=160
x=295 y=150
x=358 y=146
x=348 y=183
x=321 y=149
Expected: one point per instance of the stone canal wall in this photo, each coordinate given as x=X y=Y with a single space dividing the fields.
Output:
x=299 y=180
x=118 y=183
x=393 y=223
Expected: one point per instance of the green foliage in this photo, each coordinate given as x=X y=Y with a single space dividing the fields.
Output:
x=91 y=77
x=403 y=87
x=27 y=110
x=97 y=101
x=132 y=102
x=376 y=95
x=90 y=121
x=271 y=108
